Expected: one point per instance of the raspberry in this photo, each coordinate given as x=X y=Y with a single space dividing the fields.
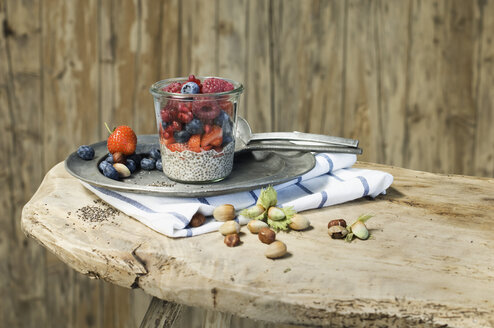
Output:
x=206 y=109
x=174 y=87
x=213 y=85
x=168 y=115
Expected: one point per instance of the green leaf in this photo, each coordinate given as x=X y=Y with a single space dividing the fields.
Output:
x=349 y=237
x=279 y=225
x=364 y=217
x=289 y=212
x=267 y=198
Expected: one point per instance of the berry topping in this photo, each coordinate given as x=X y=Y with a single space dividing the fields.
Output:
x=85 y=152
x=174 y=87
x=148 y=164
x=194 y=127
x=136 y=158
x=185 y=117
x=123 y=140
x=181 y=136
x=168 y=115
x=213 y=138
x=213 y=85
x=155 y=153
x=159 y=165
x=205 y=109
x=110 y=172
x=178 y=147
x=222 y=117
x=109 y=158
x=194 y=143
x=227 y=128
x=190 y=88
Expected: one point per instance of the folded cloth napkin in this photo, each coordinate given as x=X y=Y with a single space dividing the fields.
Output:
x=331 y=181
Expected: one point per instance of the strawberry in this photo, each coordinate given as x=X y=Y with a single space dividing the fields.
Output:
x=194 y=143
x=178 y=147
x=213 y=137
x=167 y=141
x=122 y=140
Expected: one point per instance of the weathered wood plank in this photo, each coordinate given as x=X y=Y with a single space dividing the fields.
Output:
x=199 y=37
x=307 y=82
x=21 y=79
x=440 y=107
x=258 y=85
x=161 y=314
x=484 y=91
x=408 y=274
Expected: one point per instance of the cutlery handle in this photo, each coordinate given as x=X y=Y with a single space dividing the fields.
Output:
x=305 y=148
x=300 y=136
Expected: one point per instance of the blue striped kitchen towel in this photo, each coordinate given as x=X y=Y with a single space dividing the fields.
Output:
x=331 y=181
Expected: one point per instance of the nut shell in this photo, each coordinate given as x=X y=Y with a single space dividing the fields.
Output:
x=337 y=232
x=229 y=227
x=276 y=250
x=266 y=235
x=232 y=240
x=360 y=231
x=299 y=222
x=255 y=226
x=197 y=220
x=337 y=222
x=224 y=212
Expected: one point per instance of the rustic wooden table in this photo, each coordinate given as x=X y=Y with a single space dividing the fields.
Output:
x=430 y=261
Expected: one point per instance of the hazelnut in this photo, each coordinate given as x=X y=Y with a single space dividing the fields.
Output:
x=267 y=235
x=224 y=212
x=299 y=222
x=275 y=250
x=229 y=227
x=119 y=158
x=197 y=220
x=232 y=240
x=337 y=232
x=255 y=226
x=337 y=222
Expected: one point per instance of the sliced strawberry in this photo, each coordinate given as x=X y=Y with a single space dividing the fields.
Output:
x=206 y=148
x=178 y=147
x=194 y=143
x=218 y=149
x=213 y=137
x=168 y=141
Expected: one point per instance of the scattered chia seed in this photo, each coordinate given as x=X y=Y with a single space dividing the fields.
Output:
x=96 y=213
x=161 y=184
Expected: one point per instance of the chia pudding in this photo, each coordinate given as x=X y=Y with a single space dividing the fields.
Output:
x=189 y=166
x=196 y=119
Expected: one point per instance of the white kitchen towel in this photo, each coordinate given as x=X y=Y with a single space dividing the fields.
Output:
x=331 y=181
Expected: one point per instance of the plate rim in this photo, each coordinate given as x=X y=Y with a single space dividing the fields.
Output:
x=156 y=190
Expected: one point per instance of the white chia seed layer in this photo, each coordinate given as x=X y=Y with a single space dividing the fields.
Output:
x=189 y=166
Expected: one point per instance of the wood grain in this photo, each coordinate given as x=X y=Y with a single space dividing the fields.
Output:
x=409 y=274
x=413 y=80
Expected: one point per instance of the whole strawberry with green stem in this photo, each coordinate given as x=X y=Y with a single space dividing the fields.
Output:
x=121 y=140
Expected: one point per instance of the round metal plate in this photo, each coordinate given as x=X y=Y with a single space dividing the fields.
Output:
x=250 y=171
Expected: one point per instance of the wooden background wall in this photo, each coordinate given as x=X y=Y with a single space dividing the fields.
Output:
x=413 y=80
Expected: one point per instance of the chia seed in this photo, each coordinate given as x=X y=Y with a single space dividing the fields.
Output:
x=96 y=213
x=206 y=166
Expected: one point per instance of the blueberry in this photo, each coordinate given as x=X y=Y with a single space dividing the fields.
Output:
x=148 y=164
x=159 y=165
x=190 y=88
x=194 y=127
x=102 y=165
x=131 y=165
x=227 y=132
x=85 y=152
x=221 y=118
x=155 y=153
x=110 y=172
x=136 y=158
x=181 y=136
x=109 y=158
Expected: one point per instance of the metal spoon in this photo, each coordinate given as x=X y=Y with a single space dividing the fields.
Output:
x=243 y=142
x=243 y=128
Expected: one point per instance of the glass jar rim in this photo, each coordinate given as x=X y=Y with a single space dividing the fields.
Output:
x=156 y=88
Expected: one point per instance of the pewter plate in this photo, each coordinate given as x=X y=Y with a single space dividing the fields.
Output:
x=251 y=170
